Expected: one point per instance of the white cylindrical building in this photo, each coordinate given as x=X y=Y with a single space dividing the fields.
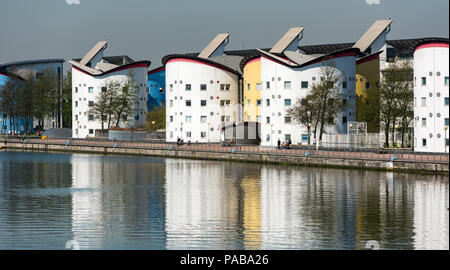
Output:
x=201 y=96
x=283 y=85
x=431 y=97
x=87 y=87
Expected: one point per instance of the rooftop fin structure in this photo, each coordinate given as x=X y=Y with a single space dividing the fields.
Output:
x=372 y=34
x=100 y=46
x=289 y=41
x=216 y=47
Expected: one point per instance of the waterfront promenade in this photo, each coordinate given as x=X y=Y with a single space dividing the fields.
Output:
x=299 y=155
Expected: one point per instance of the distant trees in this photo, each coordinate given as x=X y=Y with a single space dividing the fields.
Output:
x=156 y=118
x=67 y=100
x=115 y=102
x=396 y=100
x=36 y=96
x=323 y=103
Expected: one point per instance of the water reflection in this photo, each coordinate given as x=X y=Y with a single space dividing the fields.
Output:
x=114 y=202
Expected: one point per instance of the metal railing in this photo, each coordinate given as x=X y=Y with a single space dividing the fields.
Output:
x=295 y=150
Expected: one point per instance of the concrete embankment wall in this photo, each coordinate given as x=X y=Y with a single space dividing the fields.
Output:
x=264 y=158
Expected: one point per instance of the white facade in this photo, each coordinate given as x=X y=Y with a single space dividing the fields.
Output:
x=199 y=95
x=431 y=94
x=282 y=85
x=82 y=123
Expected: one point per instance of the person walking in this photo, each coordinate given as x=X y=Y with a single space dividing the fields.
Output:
x=279 y=143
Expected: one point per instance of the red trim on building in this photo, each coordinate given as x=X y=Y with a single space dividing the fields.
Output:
x=315 y=61
x=433 y=45
x=156 y=70
x=197 y=62
x=368 y=58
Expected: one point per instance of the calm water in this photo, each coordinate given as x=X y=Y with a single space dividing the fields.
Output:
x=115 y=202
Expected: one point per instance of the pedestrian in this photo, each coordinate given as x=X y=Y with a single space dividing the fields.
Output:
x=279 y=143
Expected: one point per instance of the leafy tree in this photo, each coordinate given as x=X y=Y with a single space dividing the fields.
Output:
x=67 y=100
x=125 y=100
x=303 y=113
x=158 y=116
x=44 y=92
x=8 y=102
x=396 y=99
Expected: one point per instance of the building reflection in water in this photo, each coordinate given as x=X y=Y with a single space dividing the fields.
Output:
x=431 y=221
x=118 y=202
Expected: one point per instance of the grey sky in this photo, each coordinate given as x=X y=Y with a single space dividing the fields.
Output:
x=148 y=30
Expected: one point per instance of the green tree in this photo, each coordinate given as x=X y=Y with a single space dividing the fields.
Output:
x=303 y=113
x=44 y=92
x=126 y=100
x=156 y=118
x=67 y=100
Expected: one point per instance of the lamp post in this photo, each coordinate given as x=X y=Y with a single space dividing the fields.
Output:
x=271 y=134
x=309 y=133
x=181 y=131
x=445 y=138
x=395 y=129
x=209 y=133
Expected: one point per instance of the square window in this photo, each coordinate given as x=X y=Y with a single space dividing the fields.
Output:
x=170 y=103
x=258 y=86
x=103 y=89
x=268 y=138
x=248 y=101
x=171 y=118
x=305 y=84
x=287 y=85
x=267 y=120
x=424 y=81
x=424 y=122
x=227 y=87
x=91 y=131
x=344 y=119
x=267 y=102
x=76 y=103
x=258 y=118
x=424 y=142
x=188 y=134
x=90 y=103
x=203 y=87
x=305 y=137
x=203 y=102
x=222 y=87
x=258 y=102
x=104 y=117
x=423 y=102
x=367 y=85
x=91 y=89
x=227 y=102
x=76 y=117
x=446 y=81
x=203 y=119
x=188 y=119
x=188 y=103
x=446 y=122
x=287 y=120
x=287 y=102
x=188 y=87
x=344 y=84
x=222 y=103
x=76 y=89
x=248 y=86
x=90 y=117
x=267 y=85
x=203 y=134
x=446 y=101
x=287 y=137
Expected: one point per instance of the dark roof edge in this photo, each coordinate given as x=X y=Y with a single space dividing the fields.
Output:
x=29 y=62
x=169 y=57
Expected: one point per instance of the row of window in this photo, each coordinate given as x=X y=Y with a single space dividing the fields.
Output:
x=424 y=141
x=423 y=80
x=423 y=101
x=424 y=121
x=203 y=87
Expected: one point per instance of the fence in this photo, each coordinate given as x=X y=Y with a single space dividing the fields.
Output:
x=305 y=151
